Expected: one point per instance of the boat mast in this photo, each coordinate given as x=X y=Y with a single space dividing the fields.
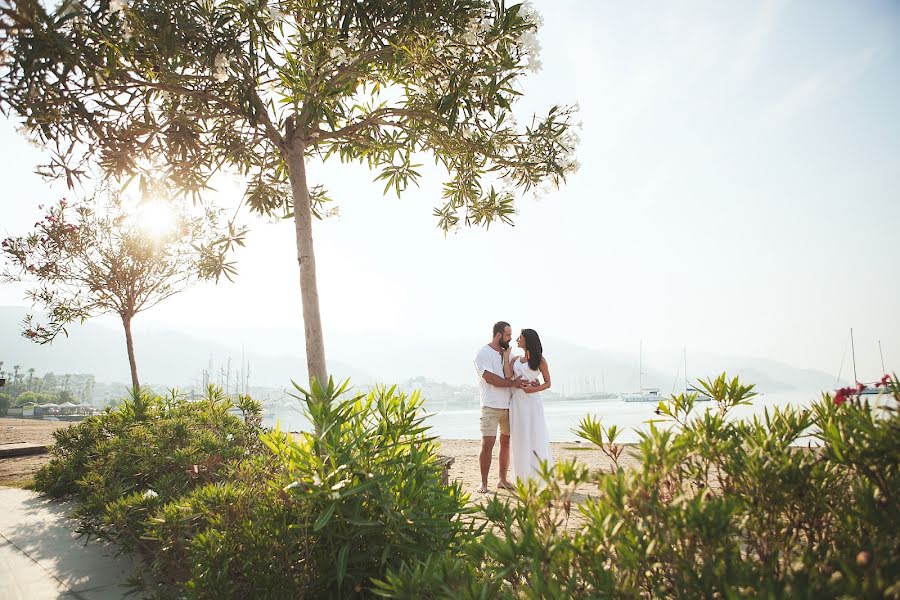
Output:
x=883 y=372
x=853 y=355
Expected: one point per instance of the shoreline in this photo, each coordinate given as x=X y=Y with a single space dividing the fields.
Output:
x=16 y=471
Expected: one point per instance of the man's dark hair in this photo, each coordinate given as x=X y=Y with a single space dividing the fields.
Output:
x=500 y=327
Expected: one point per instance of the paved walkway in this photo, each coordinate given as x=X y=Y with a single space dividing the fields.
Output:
x=42 y=558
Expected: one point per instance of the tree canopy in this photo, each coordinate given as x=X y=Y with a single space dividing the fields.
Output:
x=177 y=91
x=94 y=257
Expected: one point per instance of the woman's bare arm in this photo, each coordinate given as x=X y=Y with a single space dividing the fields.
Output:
x=545 y=373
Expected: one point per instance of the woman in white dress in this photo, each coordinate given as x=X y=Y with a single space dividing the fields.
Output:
x=529 y=440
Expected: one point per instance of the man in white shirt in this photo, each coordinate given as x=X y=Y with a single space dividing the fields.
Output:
x=495 y=392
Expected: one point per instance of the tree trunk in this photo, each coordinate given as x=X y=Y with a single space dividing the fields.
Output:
x=309 y=291
x=135 y=385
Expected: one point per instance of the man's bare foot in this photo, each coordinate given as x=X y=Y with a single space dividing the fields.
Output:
x=505 y=485
x=483 y=489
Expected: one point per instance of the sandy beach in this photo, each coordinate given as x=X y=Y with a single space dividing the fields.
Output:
x=16 y=471
x=466 y=470
x=19 y=471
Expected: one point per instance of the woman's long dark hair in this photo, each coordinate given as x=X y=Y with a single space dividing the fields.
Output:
x=533 y=348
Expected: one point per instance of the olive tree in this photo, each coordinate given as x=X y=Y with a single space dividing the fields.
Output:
x=181 y=89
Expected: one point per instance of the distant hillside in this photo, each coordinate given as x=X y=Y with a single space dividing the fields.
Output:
x=163 y=356
x=275 y=355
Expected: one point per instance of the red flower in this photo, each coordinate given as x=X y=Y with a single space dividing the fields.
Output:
x=843 y=394
x=860 y=387
x=885 y=381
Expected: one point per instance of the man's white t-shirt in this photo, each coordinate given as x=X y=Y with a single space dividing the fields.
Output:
x=490 y=360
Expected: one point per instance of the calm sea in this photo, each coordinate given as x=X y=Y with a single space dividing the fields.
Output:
x=562 y=416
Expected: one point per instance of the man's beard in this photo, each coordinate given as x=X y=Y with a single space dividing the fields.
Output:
x=504 y=345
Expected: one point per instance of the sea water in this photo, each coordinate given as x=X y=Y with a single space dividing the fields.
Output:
x=563 y=415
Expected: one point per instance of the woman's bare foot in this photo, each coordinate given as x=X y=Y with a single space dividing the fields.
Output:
x=505 y=485
x=483 y=489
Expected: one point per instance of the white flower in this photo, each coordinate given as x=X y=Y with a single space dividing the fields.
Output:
x=316 y=480
x=352 y=40
x=530 y=13
x=117 y=6
x=335 y=495
x=531 y=47
x=220 y=70
x=569 y=164
x=339 y=55
x=275 y=13
x=569 y=139
x=150 y=494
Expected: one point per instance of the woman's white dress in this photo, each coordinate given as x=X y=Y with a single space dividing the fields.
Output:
x=528 y=437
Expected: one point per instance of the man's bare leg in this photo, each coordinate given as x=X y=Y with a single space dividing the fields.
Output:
x=484 y=459
x=504 y=461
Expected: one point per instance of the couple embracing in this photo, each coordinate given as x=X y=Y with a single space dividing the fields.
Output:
x=510 y=387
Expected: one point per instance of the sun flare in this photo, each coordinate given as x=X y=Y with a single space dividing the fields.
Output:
x=155 y=217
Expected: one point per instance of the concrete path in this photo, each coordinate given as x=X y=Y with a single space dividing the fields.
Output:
x=42 y=558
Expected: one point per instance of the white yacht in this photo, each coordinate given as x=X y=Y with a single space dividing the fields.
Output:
x=645 y=395
x=870 y=389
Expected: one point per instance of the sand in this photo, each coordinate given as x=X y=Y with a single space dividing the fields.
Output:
x=20 y=470
x=466 y=470
x=17 y=471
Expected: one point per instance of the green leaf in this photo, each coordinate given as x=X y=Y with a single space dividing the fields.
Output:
x=342 y=564
x=323 y=519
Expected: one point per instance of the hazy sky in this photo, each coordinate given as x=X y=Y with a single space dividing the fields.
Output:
x=738 y=193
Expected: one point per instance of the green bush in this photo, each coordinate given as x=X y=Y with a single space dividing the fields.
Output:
x=221 y=511
x=720 y=508
x=367 y=487
x=5 y=402
x=147 y=451
x=35 y=397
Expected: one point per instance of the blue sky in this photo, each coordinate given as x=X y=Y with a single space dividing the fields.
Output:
x=738 y=193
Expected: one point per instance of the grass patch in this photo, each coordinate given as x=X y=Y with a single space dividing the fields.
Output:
x=25 y=483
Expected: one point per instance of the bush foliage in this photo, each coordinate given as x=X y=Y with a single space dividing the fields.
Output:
x=798 y=502
x=719 y=508
x=223 y=508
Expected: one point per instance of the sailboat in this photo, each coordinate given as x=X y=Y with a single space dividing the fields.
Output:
x=645 y=394
x=702 y=396
x=870 y=389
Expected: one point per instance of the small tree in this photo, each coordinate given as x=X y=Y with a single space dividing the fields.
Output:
x=65 y=396
x=263 y=86
x=94 y=258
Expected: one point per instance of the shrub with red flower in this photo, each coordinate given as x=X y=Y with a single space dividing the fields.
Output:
x=844 y=394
